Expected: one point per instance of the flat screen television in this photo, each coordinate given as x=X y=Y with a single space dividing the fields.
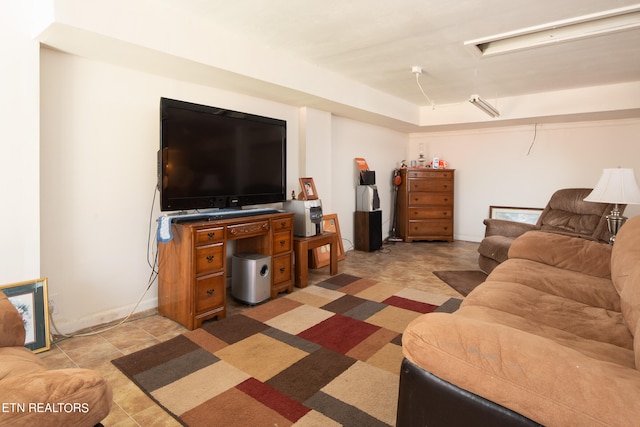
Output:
x=218 y=158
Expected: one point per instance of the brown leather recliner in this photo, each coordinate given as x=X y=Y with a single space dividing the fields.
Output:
x=566 y=213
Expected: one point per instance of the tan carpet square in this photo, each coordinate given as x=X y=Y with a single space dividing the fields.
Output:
x=261 y=356
x=379 y=292
x=196 y=388
x=394 y=318
x=299 y=319
x=316 y=419
x=369 y=389
x=388 y=358
x=314 y=299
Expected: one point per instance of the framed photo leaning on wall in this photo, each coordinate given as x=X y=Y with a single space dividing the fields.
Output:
x=32 y=302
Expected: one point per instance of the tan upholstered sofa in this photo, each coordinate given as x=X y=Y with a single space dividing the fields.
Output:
x=551 y=337
x=32 y=395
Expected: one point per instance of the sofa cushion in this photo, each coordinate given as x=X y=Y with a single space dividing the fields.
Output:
x=18 y=361
x=536 y=376
x=569 y=253
x=577 y=324
x=591 y=290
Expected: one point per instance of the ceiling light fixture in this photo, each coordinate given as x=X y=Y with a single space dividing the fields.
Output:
x=484 y=105
x=592 y=25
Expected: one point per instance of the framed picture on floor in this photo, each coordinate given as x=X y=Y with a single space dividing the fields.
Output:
x=321 y=256
x=526 y=215
x=32 y=302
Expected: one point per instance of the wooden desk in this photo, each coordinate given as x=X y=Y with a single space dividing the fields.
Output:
x=301 y=248
x=193 y=265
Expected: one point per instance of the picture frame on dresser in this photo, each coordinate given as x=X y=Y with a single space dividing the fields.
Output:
x=321 y=255
x=31 y=300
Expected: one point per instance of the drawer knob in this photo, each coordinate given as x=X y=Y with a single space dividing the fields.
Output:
x=211 y=235
x=282 y=269
x=210 y=258
x=210 y=291
x=282 y=242
x=283 y=224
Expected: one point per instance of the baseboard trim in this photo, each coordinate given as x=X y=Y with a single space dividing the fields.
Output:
x=69 y=327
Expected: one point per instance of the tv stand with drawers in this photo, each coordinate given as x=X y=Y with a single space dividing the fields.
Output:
x=193 y=265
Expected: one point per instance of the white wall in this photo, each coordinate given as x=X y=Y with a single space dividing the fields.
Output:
x=100 y=134
x=383 y=149
x=19 y=174
x=523 y=165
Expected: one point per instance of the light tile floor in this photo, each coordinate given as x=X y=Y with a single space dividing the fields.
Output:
x=406 y=264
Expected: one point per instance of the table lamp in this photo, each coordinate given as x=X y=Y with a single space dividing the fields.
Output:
x=617 y=186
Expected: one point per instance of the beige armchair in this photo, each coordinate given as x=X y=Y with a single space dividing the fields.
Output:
x=32 y=395
x=566 y=213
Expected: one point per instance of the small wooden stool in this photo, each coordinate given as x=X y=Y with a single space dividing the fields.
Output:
x=301 y=248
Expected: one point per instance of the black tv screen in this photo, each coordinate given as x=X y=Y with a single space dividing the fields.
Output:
x=217 y=158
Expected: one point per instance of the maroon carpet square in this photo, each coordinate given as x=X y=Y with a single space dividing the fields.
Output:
x=339 y=333
x=284 y=405
x=408 y=304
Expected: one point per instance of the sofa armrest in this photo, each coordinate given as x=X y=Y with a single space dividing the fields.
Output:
x=535 y=376
x=567 y=252
x=501 y=227
x=69 y=397
x=12 y=333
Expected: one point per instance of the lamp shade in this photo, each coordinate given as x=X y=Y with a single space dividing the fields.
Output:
x=616 y=185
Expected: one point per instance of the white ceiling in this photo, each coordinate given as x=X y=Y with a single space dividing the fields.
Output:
x=376 y=42
x=354 y=57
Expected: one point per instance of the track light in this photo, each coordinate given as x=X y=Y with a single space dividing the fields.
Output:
x=484 y=105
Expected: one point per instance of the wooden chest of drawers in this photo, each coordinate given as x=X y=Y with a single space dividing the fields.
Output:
x=425 y=204
x=192 y=273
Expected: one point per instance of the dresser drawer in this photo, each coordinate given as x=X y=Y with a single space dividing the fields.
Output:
x=281 y=224
x=430 y=228
x=209 y=235
x=430 y=213
x=247 y=229
x=209 y=292
x=430 y=199
x=442 y=185
x=431 y=174
x=281 y=242
x=209 y=258
x=281 y=268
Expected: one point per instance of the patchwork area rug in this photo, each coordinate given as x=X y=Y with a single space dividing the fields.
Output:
x=463 y=281
x=325 y=355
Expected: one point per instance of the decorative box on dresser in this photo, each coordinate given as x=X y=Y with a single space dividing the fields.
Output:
x=425 y=204
x=193 y=265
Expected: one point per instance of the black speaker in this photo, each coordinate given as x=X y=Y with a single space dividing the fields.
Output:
x=368 y=231
x=367 y=177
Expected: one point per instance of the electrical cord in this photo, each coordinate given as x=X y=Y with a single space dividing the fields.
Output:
x=423 y=92
x=152 y=278
x=535 y=135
